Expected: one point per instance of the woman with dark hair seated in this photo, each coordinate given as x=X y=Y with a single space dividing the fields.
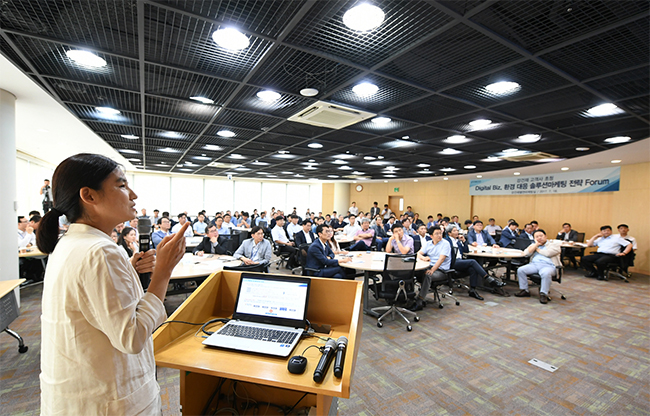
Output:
x=128 y=241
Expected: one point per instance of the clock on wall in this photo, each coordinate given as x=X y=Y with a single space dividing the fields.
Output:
x=359 y=188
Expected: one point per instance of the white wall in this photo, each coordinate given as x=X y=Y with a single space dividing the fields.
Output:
x=180 y=193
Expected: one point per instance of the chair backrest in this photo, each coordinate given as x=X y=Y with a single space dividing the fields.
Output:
x=522 y=243
x=399 y=266
x=228 y=243
x=261 y=268
x=580 y=238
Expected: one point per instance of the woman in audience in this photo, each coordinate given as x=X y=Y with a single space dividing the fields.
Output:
x=96 y=323
x=334 y=245
x=128 y=241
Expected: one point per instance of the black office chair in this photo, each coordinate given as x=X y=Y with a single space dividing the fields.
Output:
x=260 y=268
x=447 y=279
x=455 y=278
x=536 y=279
x=228 y=243
x=282 y=257
x=619 y=268
x=302 y=253
x=396 y=287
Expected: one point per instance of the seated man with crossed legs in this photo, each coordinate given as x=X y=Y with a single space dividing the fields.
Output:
x=544 y=258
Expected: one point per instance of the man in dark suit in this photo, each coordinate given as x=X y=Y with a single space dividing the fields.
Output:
x=320 y=255
x=509 y=234
x=567 y=234
x=527 y=233
x=305 y=236
x=210 y=243
x=477 y=236
x=374 y=211
x=420 y=239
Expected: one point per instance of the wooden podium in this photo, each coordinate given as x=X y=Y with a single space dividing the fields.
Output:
x=264 y=378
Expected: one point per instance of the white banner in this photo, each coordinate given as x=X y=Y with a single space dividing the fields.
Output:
x=596 y=180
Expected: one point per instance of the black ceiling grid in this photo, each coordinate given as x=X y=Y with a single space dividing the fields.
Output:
x=431 y=61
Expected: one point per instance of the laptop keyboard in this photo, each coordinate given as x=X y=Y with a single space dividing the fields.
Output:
x=262 y=334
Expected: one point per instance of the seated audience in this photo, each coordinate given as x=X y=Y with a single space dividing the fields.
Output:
x=158 y=235
x=244 y=221
x=454 y=221
x=544 y=258
x=227 y=221
x=210 y=243
x=492 y=228
x=430 y=222
x=305 y=235
x=389 y=223
x=255 y=250
x=535 y=225
x=623 y=230
x=280 y=238
x=471 y=266
x=409 y=212
x=380 y=233
x=509 y=234
x=363 y=237
x=128 y=241
x=293 y=227
x=609 y=248
x=354 y=210
x=438 y=254
x=527 y=233
x=26 y=235
x=320 y=256
x=468 y=225
x=221 y=227
x=261 y=220
x=408 y=226
x=477 y=236
x=417 y=221
x=200 y=225
x=567 y=234
x=35 y=219
x=182 y=219
x=420 y=238
x=399 y=242
x=350 y=230
x=115 y=235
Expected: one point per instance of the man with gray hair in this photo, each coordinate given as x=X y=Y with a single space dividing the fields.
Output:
x=363 y=237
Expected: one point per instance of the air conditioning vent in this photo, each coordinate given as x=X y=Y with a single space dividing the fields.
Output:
x=528 y=157
x=328 y=115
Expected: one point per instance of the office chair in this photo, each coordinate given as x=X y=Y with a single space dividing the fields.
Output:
x=228 y=243
x=436 y=287
x=302 y=253
x=455 y=278
x=396 y=287
x=537 y=280
x=619 y=268
x=260 y=268
x=282 y=258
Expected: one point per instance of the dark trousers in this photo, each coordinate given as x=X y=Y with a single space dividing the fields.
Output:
x=335 y=272
x=601 y=260
x=471 y=266
x=291 y=260
x=47 y=206
x=570 y=253
x=359 y=246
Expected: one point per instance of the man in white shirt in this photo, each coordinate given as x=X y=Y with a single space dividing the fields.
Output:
x=200 y=225
x=26 y=237
x=350 y=230
x=492 y=228
x=182 y=219
x=227 y=221
x=353 y=209
x=386 y=212
x=280 y=237
x=609 y=248
x=623 y=230
x=293 y=227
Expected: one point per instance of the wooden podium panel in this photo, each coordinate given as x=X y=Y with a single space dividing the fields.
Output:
x=331 y=301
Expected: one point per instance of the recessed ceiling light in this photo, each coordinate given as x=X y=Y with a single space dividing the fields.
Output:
x=369 y=158
x=297 y=175
x=258 y=163
x=564 y=168
x=309 y=168
x=469 y=167
x=582 y=149
x=315 y=145
x=378 y=162
x=171 y=134
x=332 y=176
x=225 y=133
x=163 y=165
x=230 y=38
x=390 y=176
x=491 y=159
x=356 y=172
x=344 y=156
x=271 y=176
x=480 y=123
x=503 y=88
x=400 y=143
x=287 y=173
x=130 y=136
x=423 y=165
x=129 y=151
x=133 y=159
x=168 y=150
x=283 y=152
x=517 y=173
x=186 y=170
x=212 y=147
x=528 y=138
x=242 y=169
x=364 y=17
x=450 y=151
x=268 y=95
x=312 y=161
x=511 y=150
x=365 y=89
x=262 y=173
x=425 y=172
x=607 y=109
x=616 y=161
x=340 y=162
x=457 y=139
x=549 y=160
x=308 y=92
x=381 y=120
x=202 y=158
x=479 y=176
x=380 y=157
x=446 y=179
x=346 y=167
x=415 y=180
x=447 y=170
x=618 y=139
x=514 y=152
x=85 y=58
x=108 y=111
x=202 y=100
x=236 y=156
x=406 y=137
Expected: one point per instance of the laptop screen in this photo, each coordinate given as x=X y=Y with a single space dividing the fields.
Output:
x=272 y=299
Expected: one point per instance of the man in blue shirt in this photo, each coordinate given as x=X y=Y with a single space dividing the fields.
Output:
x=438 y=254
x=200 y=225
x=544 y=258
x=158 y=235
x=609 y=249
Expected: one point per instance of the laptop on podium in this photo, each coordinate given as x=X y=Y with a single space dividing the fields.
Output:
x=270 y=315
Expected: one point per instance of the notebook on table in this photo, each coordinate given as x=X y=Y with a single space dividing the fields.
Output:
x=270 y=315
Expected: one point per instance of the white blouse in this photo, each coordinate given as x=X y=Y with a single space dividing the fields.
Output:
x=96 y=348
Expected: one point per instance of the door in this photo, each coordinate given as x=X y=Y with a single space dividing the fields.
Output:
x=394 y=203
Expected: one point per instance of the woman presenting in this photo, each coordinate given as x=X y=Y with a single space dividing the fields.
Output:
x=97 y=349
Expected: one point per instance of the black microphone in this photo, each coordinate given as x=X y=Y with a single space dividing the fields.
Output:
x=325 y=361
x=341 y=346
x=144 y=231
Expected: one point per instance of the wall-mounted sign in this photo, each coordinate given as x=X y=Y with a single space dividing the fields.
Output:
x=395 y=189
x=596 y=180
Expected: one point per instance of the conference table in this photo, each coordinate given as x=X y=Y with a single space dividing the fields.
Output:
x=193 y=268
x=372 y=264
x=33 y=253
x=503 y=255
x=9 y=310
